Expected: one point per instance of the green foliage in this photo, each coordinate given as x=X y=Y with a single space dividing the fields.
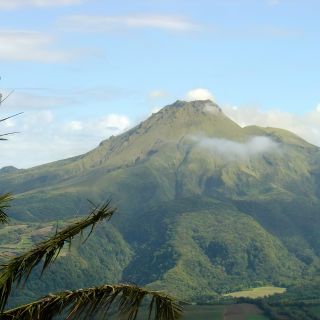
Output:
x=81 y=303
x=298 y=302
x=192 y=222
x=213 y=250
x=20 y=267
x=3 y=136
x=4 y=205
x=100 y=260
x=96 y=302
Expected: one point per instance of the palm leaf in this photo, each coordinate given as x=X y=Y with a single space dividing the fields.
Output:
x=9 y=117
x=4 y=204
x=19 y=268
x=4 y=119
x=96 y=302
x=7 y=134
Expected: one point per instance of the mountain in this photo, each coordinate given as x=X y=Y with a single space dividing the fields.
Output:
x=204 y=206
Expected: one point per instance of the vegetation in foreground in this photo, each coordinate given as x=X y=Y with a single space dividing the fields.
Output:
x=81 y=303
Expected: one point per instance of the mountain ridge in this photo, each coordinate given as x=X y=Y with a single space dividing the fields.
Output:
x=205 y=206
x=200 y=106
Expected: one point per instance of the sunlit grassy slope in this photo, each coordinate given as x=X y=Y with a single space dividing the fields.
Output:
x=254 y=293
x=191 y=220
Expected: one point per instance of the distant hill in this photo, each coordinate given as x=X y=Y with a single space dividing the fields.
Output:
x=8 y=169
x=204 y=206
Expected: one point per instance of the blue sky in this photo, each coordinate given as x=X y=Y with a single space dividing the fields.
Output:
x=83 y=70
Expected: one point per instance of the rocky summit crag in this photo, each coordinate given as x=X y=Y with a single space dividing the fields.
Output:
x=204 y=207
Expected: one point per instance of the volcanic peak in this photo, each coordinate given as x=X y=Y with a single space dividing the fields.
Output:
x=199 y=106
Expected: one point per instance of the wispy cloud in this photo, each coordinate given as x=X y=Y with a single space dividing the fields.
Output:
x=17 y=4
x=26 y=99
x=30 y=46
x=101 y=93
x=306 y=125
x=233 y=150
x=104 y=23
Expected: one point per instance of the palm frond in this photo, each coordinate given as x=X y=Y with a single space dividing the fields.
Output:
x=4 y=204
x=7 y=134
x=9 y=117
x=5 y=98
x=19 y=268
x=4 y=119
x=96 y=302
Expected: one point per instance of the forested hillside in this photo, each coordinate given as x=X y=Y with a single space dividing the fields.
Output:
x=204 y=207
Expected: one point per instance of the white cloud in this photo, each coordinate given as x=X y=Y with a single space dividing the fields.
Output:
x=93 y=23
x=112 y=122
x=46 y=117
x=306 y=126
x=233 y=150
x=154 y=110
x=199 y=94
x=15 y=4
x=44 y=138
x=96 y=128
x=212 y=108
x=9 y=123
x=74 y=125
x=104 y=126
x=29 y=46
x=34 y=122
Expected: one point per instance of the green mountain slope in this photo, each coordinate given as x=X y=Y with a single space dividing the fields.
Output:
x=205 y=206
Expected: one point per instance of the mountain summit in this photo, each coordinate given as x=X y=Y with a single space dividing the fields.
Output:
x=205 y=205
x=197 y=106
